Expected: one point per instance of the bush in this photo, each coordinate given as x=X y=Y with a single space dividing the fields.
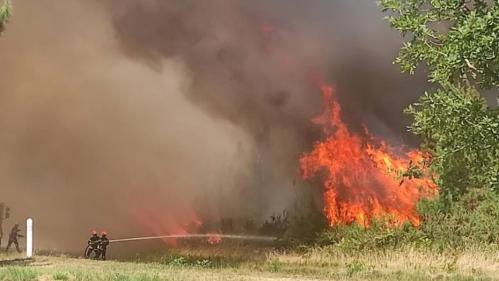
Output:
x=378 y=236
x=470 y=223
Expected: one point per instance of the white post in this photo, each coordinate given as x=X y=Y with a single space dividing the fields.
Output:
x=29 y=237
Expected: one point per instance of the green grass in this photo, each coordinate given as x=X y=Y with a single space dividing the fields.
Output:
x=16 y=273
x=61 y=275
x=315 y=264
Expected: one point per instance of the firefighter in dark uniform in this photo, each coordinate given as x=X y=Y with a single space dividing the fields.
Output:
x=14 y=234
x=93 y=245
x=103 y=243
x=1 y=235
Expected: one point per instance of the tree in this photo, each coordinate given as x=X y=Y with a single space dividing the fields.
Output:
x=458 y=41
x=5 y=14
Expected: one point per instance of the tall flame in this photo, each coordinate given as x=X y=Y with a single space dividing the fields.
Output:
x=364 y=179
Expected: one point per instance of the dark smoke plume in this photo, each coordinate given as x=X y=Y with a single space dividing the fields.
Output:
x=251 y=63
x=138 y=116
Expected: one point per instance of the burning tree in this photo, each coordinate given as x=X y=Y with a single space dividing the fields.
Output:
x=364 y=178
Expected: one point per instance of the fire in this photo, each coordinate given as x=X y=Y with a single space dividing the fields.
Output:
x=364 y=178
x=214 y=239
x=166 y=221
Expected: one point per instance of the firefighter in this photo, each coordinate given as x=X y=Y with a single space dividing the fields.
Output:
x=14 y=234
x=1 y=235
x=103 y=243
x=93 y=245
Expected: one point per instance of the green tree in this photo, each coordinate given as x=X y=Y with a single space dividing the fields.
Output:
x=458 y=41
x=5 y=14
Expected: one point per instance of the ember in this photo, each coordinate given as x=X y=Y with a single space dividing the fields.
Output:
x=364 y=178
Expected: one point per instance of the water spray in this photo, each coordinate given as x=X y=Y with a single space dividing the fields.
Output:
x=190 y=236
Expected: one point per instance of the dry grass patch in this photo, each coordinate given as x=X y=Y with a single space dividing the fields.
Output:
x=316 y=264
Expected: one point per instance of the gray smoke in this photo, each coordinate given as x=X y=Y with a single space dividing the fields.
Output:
x=117 y=112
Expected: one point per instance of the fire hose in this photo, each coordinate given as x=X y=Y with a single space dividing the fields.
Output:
x=188 y=236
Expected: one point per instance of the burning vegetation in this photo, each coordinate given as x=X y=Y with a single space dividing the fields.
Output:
x=364 y=178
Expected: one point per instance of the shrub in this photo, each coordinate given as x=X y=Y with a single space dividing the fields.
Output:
x=378 y=236
x=470 y=222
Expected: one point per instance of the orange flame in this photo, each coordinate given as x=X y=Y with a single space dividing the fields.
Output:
x=158 y=221
x=364 y=179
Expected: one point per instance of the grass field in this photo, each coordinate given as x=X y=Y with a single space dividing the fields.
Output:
x=318 y=264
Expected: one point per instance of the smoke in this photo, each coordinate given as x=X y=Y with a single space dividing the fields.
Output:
x=115 y=112
x=90 y=138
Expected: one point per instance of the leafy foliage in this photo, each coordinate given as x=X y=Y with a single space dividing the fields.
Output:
x=463 y=134
x=471 y=222
x=5 y=14
x=356 y=238
x=458 y=40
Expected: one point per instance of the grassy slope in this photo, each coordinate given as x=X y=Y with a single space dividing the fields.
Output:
x=315 y=265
